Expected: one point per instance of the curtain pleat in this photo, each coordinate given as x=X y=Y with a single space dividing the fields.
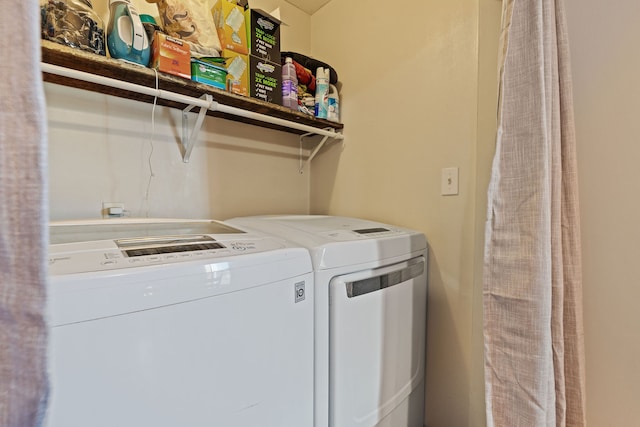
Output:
x=23 y=219
x=534 y=350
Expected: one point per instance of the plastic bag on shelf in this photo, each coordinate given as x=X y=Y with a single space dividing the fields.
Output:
x=74 y=23
x=191 y=21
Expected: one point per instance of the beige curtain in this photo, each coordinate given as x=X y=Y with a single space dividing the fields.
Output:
x=534 y=358
x=23 y=216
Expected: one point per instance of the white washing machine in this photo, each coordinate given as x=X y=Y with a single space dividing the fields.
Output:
x=178 y=323
x=370 y=317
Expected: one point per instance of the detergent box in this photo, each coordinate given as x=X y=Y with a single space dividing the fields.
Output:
x=265 y=80
x=208 y=73
x=170 y=55
x=237 y=72
x=263 y=35
x=229 y=19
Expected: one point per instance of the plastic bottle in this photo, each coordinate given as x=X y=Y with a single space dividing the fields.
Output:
x=333 y=109
x=289 y=85
x=322 y=92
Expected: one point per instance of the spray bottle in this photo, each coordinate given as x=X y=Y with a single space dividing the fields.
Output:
x=322 y=93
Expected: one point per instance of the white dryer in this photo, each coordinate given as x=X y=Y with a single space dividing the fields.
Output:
x=370 y=317
x=178 y=323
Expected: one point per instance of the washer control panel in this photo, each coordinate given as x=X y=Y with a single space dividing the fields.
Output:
x=347 y=234
x=113 y=255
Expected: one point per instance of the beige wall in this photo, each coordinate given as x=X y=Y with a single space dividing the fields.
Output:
x=489 y=33
x=100 y=148
x=411 y=102
x=606 y=68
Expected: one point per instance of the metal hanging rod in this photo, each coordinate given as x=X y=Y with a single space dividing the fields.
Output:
x=119 y=84
x=205 y=103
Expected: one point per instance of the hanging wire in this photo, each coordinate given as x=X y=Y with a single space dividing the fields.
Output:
x=300 y=164
x=151 y=139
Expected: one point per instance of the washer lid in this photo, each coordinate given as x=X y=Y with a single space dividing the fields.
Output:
x=110 y=229
x=338 y=241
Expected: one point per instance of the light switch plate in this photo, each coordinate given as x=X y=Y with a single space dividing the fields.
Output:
x=449 y=185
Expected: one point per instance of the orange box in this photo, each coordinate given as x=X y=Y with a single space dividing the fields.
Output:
x=237 y=72
x=171 y=55
x=230 y=23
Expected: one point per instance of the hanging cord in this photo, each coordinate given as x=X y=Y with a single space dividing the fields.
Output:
x=300 y=164
x=153 y=132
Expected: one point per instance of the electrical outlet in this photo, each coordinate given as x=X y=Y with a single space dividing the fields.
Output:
x=112 y=209
x=449 y=185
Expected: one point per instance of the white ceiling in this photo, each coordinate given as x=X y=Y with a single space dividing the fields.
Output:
x=308 y=6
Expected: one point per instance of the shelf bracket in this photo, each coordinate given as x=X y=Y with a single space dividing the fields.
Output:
x=190 y=136
x=315 y=150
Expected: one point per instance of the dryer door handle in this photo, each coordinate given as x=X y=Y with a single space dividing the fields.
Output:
x=384 y=277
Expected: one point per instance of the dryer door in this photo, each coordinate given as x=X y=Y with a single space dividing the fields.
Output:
x=377 y=346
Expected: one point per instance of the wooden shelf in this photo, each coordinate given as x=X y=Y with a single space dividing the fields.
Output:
x=75 y=59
